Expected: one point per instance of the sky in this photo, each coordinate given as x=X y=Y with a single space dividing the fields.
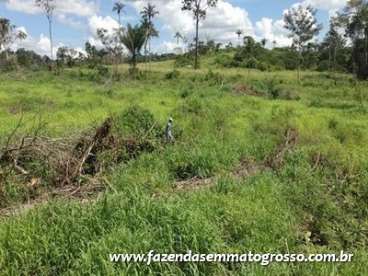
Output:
x=76 y=21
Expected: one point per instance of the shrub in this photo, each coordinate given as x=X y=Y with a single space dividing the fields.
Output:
x=136 y=122
x=224 y=60
x=183 y=61
x=214 y=78
x=173 y=75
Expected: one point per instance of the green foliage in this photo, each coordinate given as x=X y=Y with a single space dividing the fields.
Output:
x=134 y=39
x=135 y=122
x=183 y=61
x=173 y=75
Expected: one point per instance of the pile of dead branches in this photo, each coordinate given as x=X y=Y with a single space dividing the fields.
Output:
x=64 y=161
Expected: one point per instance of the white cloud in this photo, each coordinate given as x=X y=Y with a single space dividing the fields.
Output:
x=40 y=45
x=273 y=31
x=97 y=22
x=169 y=47
x=26 y=6
x=328 y=5
x=100 y=22
x=221 y=22
x=71 y=7
x=69 y=21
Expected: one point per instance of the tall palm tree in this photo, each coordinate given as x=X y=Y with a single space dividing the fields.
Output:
x=118 y=8
x=148 y=13
x=134 y=39
x=178 y=36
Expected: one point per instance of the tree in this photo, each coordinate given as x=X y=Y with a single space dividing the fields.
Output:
x=333 y=42
x=355 y=20
x=118 y=8
x=199 y=10
x=134 y=39
x=178 y=36
x=112 y=44
x=151 y=32
x=27 y=58
x=48 y=7
x=8 y=34
x=239 y=33
x=302 y=25
x=66 y=55
x=148 y=13
x=264 y=42
x=92 y=54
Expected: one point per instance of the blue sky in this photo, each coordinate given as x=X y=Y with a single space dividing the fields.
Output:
x=76 y=21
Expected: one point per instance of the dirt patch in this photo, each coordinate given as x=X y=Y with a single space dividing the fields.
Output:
x=242 y=89
x=311 y=232
x=276 y=160
x=194 y=183
x=83 y=194
x=248 y=167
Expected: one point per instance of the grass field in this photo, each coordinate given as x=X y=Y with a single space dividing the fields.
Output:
x=261 y=163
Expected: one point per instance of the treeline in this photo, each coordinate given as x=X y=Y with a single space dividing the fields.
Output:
x=255 y=55
x=65 y=57
x=343 y=49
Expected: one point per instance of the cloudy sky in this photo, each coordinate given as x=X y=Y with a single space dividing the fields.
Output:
x=76 y=21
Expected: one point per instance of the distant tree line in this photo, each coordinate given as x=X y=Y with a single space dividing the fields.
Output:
x=343 y=49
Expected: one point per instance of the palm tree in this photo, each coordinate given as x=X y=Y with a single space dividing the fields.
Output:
x=178 y=36
x=239 y=33
x=134 y=39
x=148 y=13
x=8 y=34
x=118 y=8
x=5 y=30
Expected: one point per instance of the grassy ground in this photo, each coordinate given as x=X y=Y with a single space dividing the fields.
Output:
x=311 y=200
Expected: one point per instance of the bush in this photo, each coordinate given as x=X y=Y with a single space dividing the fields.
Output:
x=8 y=65
x=183 y=61
x=224 y=60
x=214 y=78
x=175 y=74
x=102 y=70
x=136 y=122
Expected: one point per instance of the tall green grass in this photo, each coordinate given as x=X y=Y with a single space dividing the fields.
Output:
x=320 y=188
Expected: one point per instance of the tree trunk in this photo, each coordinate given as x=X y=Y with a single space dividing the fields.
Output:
x=366 y=47
x=196 y=43
x=134 y=62
x=299 y=65
x=149 y=53
x=51 y=43
x=334 y=64
x=334 y=58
